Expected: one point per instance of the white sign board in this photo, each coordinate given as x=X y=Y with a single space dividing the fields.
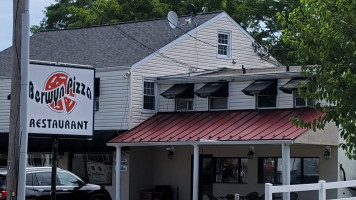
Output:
x=60 y=100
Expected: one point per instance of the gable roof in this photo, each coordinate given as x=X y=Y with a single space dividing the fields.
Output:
x=106 y=45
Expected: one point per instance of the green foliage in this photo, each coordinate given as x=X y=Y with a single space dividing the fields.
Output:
x=323 y=32
x=257 y=17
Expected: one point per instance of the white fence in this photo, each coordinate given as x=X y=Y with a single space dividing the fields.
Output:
x=322 y=186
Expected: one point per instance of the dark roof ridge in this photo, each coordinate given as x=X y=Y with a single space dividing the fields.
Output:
x=127 y=22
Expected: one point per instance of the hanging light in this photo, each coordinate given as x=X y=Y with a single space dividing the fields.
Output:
x=327 y=153
x=251 y=152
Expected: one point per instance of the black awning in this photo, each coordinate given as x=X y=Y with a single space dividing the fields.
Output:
x=293 y=84
x=179 y=91
x=261 y=87
x=217 y=89
x=44 y=144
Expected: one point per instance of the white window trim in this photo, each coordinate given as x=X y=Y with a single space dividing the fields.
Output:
x=155 y=95
x=176 y=106
x=295 y=93
x=229 y=52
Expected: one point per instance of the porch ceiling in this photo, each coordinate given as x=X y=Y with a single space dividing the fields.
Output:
x=218 y=127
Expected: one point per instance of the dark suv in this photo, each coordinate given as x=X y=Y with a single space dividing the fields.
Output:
x=69 y=186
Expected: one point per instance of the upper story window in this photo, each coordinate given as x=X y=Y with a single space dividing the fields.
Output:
x=224 y=44
x=149 y=100
x=217 y=93
x=291 y=87
x=265 y=92
x=183 y=95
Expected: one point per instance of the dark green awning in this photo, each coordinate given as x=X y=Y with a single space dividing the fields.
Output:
x=179 y=91
x=261 y=87
x=293 y=84
x=217 y=89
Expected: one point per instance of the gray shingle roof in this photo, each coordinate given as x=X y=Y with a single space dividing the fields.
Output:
x=103 y=46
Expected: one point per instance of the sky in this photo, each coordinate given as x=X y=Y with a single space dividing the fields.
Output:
x=6 y=8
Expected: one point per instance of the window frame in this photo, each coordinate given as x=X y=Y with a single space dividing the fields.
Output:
x=210 y=102
x=302 y=175
x=307 y=103
x=239 y=180
x=264 y=107
x=228 y=45
x=146 y=110
x=184 y=99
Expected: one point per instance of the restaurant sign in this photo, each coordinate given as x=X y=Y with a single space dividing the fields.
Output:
x=60 y=100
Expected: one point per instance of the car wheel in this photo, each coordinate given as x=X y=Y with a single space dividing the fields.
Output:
x=98 y=197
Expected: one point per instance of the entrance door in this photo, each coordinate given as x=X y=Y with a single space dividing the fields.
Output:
x=206 y=175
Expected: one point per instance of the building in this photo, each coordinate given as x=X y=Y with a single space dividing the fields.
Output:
x=151 y=77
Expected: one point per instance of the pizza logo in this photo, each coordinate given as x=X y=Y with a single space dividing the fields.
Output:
x=59 y=92
x=58 y=82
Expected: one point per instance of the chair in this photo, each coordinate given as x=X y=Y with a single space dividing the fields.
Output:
x=293 y=196
x=252 y=196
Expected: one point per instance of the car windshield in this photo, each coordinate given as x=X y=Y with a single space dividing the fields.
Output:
x=2 y=180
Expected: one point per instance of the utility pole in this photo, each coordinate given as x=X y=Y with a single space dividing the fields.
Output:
x=19 y=51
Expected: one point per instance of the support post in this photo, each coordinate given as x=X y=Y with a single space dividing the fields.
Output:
x=196 y=172
x=118 y=173
x=286 y=168
x=54 y=167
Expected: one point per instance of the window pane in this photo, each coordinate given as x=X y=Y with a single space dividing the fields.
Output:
x=243 y=171
x=269 y=168
x=227 y=170
x=67 y=179
x=149 y=102
x=184 y=104
x=222 y=50
x=28 y=179
x=296 y=171
x=218 y=103
x=299 y=101
x=44 y=178
x=265 y=101
x=311 y=170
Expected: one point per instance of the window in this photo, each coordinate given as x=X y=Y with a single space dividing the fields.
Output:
x=44 y=178
x=218 y=103
x=93 y=167
x=265 y=92
x=184 y=104
x=303 y=170
x=67 y=179
x=224 y=45
x=149 y=99
x=266 y=101
x=300 y=101
x=231 y=170
x=96 y=94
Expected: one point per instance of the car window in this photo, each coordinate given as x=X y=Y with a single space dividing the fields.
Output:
x=2 y=180
x=29 y=179
x=44 y=178
x=67 y=179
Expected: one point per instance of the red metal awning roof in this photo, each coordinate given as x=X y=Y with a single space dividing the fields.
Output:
x=234 y=125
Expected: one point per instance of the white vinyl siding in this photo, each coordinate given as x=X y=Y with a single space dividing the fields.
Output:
x=238 y=100
x=5 y=90
x=284 y=100
x=197 y=54
x=114 y=101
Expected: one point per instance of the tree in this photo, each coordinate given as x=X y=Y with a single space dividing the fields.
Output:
x=257 y=17
x=323 y=33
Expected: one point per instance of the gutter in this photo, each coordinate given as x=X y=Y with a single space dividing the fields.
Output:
x=202 y=142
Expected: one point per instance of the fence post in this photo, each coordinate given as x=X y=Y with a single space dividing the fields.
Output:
x=268 y=191
x=237 y=197
x=322 y=191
